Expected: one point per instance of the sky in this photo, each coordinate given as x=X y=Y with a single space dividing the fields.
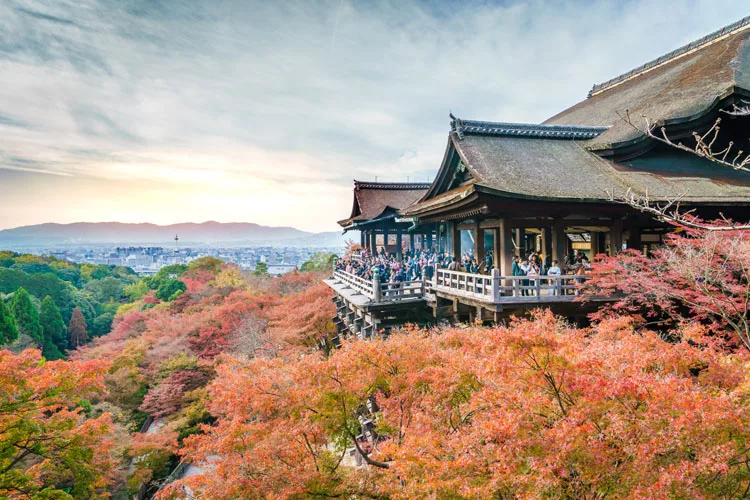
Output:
x=170 y=111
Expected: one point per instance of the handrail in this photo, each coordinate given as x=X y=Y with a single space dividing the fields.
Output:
x=496 y=288
x=492 y=288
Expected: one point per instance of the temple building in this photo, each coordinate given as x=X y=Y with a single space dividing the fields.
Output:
x=508 y=189
x=375 y=213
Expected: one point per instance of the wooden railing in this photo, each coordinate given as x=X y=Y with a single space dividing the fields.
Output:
x=478 y=286
x=498 y=289
x=400 y=290
x=361 y=285
x=491 y=288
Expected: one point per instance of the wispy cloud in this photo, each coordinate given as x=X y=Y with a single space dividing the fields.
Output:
x=286 y=102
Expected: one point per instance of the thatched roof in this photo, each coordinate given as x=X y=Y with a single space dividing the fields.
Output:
x=678 y=87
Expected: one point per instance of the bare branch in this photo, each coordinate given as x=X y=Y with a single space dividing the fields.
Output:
x=669 y=211
x=730 y=156
x=743 y=109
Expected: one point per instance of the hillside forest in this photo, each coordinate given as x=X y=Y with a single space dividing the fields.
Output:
x=216 y=383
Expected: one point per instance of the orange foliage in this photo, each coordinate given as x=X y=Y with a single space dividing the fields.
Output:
x=534 y=409
x=48 y=443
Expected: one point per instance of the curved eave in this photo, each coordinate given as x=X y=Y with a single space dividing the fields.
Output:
x=643 y=143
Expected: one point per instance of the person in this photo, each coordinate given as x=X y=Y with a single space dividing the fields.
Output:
x=524 y=272
x=453 y=266
x=554 y=270
x=516 y=266
x=534 y=275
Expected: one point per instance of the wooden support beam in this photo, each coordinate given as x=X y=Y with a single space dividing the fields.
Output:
x=456 y=237
x=399 y=245
x=634 y=239
x=547 y=244
x=615 y=238
x=479 y=245
x=559 y=242
x=373 y=242
x=411 y=242
x=504 y=248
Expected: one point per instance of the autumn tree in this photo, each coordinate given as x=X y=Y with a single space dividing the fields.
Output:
x=77 y=329
x=27 y=316
x=697 y=275
x=532 y=409
x=53 y=328
x=50 y=448
x=8 y=328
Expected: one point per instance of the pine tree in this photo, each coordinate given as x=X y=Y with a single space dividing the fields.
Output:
x=8 y=329
x=77 y=329
x=53 y=328
x=27 y=316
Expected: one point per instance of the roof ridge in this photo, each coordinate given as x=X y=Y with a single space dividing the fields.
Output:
x=473 y=127
x=670 y=56
x=391 y=185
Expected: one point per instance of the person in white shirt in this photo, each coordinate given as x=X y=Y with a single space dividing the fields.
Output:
x=555 y=269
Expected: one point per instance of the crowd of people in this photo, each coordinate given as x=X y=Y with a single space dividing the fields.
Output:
x=415 y=264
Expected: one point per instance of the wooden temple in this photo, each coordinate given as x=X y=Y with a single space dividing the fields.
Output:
x=515 y=188
x=375 y=214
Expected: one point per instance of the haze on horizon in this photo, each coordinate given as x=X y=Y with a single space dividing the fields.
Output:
x=239 y=111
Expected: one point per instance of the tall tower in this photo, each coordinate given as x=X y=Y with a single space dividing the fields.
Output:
x=176 y=247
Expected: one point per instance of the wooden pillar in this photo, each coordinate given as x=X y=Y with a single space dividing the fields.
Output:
x=429 y=240
x=598 y=242
x=362 y=239
x=517 y=235
x=615 y=238
x=559 y=242
x=634 y=239
x=411 y=242
x=399 y=245
x=479 y=245
x=456 y=237
x=547 y=244
x=373 y=242
x=504 y=247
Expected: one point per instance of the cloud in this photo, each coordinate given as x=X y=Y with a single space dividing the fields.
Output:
x=295 y=98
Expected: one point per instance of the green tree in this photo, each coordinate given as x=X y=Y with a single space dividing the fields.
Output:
x=8 y=329
x=170 y=290
x=27 y=316
x=321 y=261
x=261 y=269
x=166 y=273
x=106 y=289
x=136 y=291
x=53 y=327
x=102 y=324
x=77 y=329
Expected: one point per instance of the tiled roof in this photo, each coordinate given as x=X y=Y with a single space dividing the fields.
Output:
x=373 y=199
x=470 y=127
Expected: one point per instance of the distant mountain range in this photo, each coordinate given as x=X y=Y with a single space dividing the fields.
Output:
x=202 y=234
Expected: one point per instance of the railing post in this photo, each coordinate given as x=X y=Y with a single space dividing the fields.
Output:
x=376 y=293
x=496 y=285
x=516 y=282
x=538 y=287
x=558 y=285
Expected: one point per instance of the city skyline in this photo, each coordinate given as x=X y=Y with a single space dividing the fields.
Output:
x=264 y=113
